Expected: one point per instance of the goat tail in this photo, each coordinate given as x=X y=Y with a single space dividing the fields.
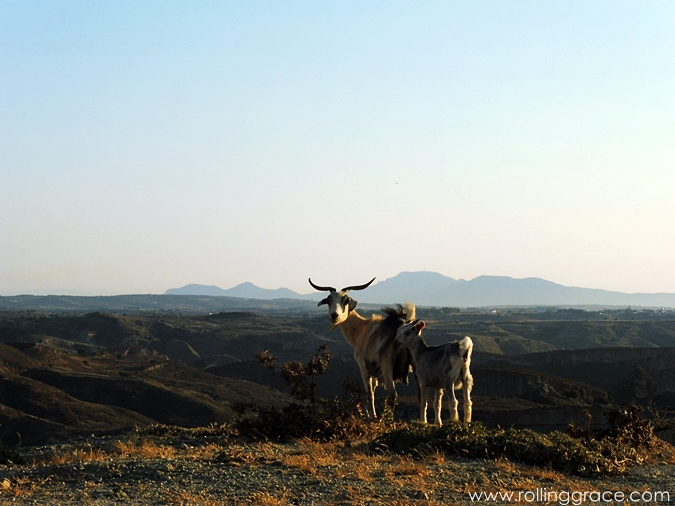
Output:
x=465 y=351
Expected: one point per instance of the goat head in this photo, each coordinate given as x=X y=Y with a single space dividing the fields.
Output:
x=339 y=303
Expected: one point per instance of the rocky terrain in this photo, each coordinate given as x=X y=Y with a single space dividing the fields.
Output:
x=140 y=469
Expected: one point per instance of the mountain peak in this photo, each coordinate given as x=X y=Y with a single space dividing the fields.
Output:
x=245 y=284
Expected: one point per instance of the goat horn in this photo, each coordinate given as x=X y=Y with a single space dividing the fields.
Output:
x=321 y=288
x=358 y=287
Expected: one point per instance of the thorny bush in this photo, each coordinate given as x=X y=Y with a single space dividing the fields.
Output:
x=300 y=377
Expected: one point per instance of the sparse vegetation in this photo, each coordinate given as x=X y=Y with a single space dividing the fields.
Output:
x=582 y=451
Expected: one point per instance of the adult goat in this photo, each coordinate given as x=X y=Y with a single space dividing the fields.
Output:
x=379 y=358
x=440 y=368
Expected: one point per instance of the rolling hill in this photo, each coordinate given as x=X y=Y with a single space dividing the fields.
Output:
x=49 y=394
x=67 y=374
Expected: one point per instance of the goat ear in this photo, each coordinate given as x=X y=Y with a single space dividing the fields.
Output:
x=420 y=325
x=352 y=303
x=322 y=302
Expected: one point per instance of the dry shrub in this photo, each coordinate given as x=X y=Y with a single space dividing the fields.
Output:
x=300 y=377
x=628 y=441
x=336 y=419
x=308 y=417
x=294 y=421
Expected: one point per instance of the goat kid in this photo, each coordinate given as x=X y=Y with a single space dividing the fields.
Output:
x=378 y=357
x=440 y=368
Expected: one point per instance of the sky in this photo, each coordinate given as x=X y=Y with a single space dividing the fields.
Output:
x=148 y=145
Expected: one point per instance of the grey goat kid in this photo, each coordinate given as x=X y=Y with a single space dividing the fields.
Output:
x=440 y=368
x=378 y=357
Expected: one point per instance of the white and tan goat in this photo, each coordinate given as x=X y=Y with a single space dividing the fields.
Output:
x=440 y=368
x=379 y=358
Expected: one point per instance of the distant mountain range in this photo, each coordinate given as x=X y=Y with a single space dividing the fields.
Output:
x=434 y=289
x=244 y=290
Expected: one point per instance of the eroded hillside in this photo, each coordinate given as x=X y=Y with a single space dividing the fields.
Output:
x=65 y=374
x=51 y=394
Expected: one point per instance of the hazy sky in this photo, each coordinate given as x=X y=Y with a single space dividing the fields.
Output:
x=148 y=145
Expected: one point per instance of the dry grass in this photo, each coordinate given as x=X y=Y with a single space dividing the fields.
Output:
x=302 y=463
x=74 y=455
x=19 y=488
x=407 y=466
x=665 y=455
x=237 y=455
x=186 y=498
x=418 y=502
x=546 y=473
x=205 y=452
x=146 y=450
x=505 y=465
x=363 y=471
x=435 y=457
x=267 y=499
x=323 y=454
x=267 y=452
x=130 y=449
x=410 y=474
x=511 y=475
x=313 y=456
x=83 y=498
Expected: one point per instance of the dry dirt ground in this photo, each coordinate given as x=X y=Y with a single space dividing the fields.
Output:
x=141 y=470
